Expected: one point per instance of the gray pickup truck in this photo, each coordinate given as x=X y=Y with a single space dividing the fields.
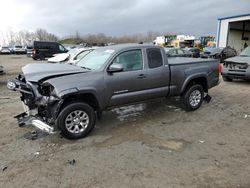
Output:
x=70 y=97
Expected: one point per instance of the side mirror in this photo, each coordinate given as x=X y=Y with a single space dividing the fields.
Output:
x=115 y=68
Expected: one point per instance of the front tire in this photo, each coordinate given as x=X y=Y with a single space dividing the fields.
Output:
x=76 y=120
x=193 y=97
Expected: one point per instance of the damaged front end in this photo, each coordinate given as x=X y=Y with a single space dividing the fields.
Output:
x=41 y=104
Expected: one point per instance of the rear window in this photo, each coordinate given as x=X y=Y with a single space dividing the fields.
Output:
x=246 y=52
x=154 y=58
x=18 y=46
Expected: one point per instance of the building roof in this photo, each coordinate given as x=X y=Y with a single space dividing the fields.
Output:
x=235 y=16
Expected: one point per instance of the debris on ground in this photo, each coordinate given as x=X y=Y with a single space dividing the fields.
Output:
x=37 y=153
x=72 y=162
x=201 y=141
x=217 y=163
x=207 y=98
x=247 y=116
x=36 y=134
x=221 y=143
x=4 y=97
x=4 y=168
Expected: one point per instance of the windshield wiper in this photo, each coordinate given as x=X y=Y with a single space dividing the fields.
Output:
x=86 y=68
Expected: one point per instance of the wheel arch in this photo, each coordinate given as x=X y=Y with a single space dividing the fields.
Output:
x=200 y=79
x=88 y=98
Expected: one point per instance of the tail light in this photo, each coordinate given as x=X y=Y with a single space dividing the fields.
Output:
x=219 y=68
x=34 y=51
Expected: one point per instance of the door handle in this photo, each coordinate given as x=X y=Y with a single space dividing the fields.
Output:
x=141 y=76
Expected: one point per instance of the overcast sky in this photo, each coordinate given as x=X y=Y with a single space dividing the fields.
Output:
x=116 y=17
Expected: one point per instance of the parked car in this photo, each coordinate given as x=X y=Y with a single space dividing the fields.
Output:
x=72 y=56
x=19 y=50
x=5 y=50
x=1 y=69
x=219 y=53
x=177 y=52
x=45 y=49
x=237 y=67
x=11 y=49
x=194 y=52
x=29 y=51
x=68 y=97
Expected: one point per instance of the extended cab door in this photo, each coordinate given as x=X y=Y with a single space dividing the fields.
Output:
x=130 y=84
x=158 y=73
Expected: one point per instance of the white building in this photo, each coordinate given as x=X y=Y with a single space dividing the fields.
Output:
x=185 y=37
x=234 y=31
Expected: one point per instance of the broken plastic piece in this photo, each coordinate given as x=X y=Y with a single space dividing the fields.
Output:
x=207 y=98
x=72 y=162
x=4 y=168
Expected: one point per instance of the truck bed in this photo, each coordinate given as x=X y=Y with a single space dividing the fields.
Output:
x=187 y=60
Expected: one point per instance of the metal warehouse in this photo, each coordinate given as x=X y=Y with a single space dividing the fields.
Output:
x=234 y=31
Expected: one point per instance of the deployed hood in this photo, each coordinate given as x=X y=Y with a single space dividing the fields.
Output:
x=58 y=58
x=37 y=72
x=239 y=59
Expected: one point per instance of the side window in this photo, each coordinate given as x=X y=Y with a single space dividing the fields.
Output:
x=172 y=52
x=154 y=58
x=180 y=51
x=82 y=54
x=130 y=60
x=61 y=48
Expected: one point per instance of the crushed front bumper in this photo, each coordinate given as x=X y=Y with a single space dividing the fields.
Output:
x=39 y=110
x=25 y=119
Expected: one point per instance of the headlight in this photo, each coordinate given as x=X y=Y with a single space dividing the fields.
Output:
x=11 y=85
x=46 y=89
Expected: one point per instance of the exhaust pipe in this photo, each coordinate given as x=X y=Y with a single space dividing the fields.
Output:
x=43 y=126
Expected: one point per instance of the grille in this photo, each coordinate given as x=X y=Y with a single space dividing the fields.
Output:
x=239 y=67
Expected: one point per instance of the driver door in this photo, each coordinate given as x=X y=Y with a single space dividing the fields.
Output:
x=130 y=84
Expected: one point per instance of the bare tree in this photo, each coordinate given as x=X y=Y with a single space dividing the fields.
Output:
x=25 y=37
x=43 y=35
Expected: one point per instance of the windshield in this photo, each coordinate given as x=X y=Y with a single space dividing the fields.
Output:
x=95 y=59
x=246 y=52
x=167 y=49
x=72 y=52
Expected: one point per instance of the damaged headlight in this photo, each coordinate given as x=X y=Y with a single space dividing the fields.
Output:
x=46 y=89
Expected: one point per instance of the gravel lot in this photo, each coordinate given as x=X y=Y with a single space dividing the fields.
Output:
x=148 y=145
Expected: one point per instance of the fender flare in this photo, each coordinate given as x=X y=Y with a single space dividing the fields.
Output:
x=192 y=77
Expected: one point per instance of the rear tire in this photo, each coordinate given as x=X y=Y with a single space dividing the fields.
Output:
x=227 y=79
x=41 y=57
x=76 y=120
x=193 y=97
